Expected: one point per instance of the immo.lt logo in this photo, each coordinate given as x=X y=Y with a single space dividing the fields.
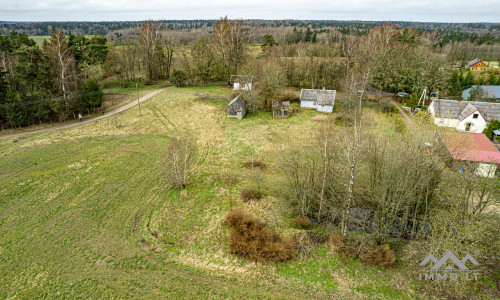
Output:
x=449 y=267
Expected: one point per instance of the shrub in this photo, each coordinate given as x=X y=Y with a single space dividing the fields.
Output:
x=302 y=222
x=255 y=164
x=367 y=252
x=251 y=238
x=178 y=78
x=289 y=96
x=248 y=195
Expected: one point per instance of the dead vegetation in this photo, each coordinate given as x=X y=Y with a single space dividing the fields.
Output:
x=302 y=222
x=367 y=252
x=252 y=164
x=251 y=238
x=249 y=195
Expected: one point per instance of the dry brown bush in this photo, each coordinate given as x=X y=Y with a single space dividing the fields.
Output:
x=255 y=164
x=367 y=252
x=302 y=222
x=248 y=195
x=251 y=238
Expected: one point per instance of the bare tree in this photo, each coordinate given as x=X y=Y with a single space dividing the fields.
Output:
x=63 y=58
x=228 y=40
x=150 y=39
x=183 y=158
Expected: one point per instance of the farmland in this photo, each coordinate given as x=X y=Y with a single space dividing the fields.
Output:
x=86 y=212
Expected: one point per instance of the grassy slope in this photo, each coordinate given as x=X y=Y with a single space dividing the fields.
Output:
x=86 y=211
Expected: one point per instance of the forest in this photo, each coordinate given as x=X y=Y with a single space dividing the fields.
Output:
x=64 y=75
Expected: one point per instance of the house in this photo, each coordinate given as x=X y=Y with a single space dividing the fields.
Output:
x=464 y=115
x=490 y=91
x=321 y=100
x=236 y=108
x=475 y=148
x=242 y=82
x=476 y=65
x=281 y=108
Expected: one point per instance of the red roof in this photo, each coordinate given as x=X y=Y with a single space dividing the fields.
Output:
x=471 y=147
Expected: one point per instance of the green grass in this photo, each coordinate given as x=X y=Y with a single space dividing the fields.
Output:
x=86 y=212
x=40 y=38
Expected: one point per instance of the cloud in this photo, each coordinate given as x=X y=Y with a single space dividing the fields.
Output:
x=115 y=10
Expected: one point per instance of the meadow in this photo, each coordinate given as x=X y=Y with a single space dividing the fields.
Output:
x=86 y=212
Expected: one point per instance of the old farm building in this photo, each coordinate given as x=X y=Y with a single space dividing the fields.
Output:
x=474 y=148
x=236 y=108
x=321 y=100
x=242 y=82
x=281 y=108
x=464 y=115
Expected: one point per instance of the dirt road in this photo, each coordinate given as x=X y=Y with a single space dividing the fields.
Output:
x=90 y=120
x=405 y=117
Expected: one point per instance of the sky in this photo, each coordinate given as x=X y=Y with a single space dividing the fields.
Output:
x=456 y=11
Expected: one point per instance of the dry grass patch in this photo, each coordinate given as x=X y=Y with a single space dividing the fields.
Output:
x=302 y=222
x=249 y=195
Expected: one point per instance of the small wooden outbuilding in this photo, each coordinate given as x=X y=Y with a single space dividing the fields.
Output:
x=236 y=108
x=281 y=108
x=242 y=82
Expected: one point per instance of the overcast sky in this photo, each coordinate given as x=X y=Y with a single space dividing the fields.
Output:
x=133 y=10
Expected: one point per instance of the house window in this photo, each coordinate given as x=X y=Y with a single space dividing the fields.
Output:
x=474 y=68
x=482 y=69
x=479 y=64
x=475 y=116
x=468 y=126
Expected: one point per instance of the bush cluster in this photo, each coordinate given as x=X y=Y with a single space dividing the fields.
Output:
x=251 y=238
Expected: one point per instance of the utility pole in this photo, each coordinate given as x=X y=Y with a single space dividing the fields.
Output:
x=137 y=90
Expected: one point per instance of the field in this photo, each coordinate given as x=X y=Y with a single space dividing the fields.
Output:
x=40 y=38
x=86 y=212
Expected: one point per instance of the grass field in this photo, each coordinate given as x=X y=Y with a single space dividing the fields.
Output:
x=40 y=38
x=86 y=212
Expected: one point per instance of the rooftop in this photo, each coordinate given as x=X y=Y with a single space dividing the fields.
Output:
x=474 y=147
x=326 y=97
x=452 y=109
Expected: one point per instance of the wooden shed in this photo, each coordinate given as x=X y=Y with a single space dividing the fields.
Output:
x=281 y=108
x=236 y=108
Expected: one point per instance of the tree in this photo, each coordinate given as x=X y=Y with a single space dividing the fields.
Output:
x=63 y=59
x=168 y=42
x=150 y=39
x=268 y=82
x=178 y=78
x=203 y=58
x=268 y=41
x=492 y=125
x=181 y=161
x=228 y=41
x=91 y=95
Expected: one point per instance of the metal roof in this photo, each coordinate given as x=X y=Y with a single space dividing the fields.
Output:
x=326 y=97
x=492 y=91
x=470 y=147
x=241 y=78
x=239 y=100
x=453 y=109
x=473 y=62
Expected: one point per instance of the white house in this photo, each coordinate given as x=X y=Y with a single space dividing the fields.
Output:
x=242 y=82
x=464 y=115
x=321 y=100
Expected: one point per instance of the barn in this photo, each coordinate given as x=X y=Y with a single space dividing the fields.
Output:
x=321 y=100
x=236 y=108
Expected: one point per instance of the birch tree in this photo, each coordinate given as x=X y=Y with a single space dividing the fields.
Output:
x=150 y=39
x=64 y=60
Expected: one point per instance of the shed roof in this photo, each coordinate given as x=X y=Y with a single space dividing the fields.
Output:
x=473 y=62
x=239 y=100
x=317 y=94
x=474 y=147
x=241 y=78
x=493 y=91
x=452 y=109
